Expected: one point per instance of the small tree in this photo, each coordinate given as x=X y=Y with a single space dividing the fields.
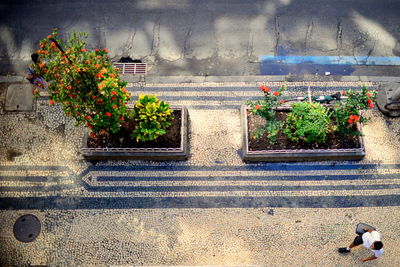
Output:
x=84 y=82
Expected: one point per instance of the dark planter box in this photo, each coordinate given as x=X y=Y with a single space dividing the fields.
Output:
x=296 y=155
x=158 y=154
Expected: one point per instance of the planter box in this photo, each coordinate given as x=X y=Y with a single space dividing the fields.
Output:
x=181 y=153
x=298 y=154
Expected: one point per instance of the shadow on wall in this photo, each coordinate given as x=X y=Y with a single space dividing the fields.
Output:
x=158 y=31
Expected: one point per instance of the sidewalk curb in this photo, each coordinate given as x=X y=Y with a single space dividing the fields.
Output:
x=250 y=79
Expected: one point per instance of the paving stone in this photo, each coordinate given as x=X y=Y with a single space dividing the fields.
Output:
x=19 y=97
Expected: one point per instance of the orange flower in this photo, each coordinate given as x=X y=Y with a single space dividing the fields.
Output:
x=88 y=117
x=41 y=64
x=98 y=66
x=276 y=93
x=87 y=61
x=124 y=90
x=115 y=106
x=113 y=92
x=51 y=102
x=78 y=69
x=257 y=107
x=98 y=57
x=83 y=50
x=368 y=94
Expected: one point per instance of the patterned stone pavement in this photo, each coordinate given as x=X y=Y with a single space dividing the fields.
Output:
x=211 y=210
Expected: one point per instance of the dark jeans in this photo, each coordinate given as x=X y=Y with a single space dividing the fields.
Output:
x=358 y=240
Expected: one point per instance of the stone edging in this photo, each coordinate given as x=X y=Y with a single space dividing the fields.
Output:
x=295 y=155
x=161 y=154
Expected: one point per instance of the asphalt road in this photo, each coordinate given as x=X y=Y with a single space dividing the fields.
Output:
x=205 y=37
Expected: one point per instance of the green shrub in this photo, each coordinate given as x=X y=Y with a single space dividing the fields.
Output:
x=152 y=118
x=308 y=122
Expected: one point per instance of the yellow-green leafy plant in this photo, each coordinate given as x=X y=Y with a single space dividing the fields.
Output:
x=308 y=122
x=152 y=118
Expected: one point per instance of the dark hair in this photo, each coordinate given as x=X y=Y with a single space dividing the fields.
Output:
x=378 y=245
x=35 y=57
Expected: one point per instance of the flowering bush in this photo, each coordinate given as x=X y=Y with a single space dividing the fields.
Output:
x=312 y=122
x=84 y=82
x=349 y=113
x=152 y=118
x=266 y=109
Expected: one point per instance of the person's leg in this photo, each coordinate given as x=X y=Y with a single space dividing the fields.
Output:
x=357 y=241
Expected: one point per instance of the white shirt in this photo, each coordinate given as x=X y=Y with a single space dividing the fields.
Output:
x=369 y=238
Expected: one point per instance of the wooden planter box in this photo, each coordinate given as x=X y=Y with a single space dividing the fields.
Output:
x=298 y=154
x=158 y=154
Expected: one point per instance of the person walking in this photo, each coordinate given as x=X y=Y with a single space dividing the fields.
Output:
x=31 y=75
x=370 y=239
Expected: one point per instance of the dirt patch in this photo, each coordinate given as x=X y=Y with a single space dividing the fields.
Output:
x=334 y=141
x=172 y=139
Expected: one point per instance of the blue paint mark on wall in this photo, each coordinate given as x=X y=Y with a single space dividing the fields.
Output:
x=333 y=60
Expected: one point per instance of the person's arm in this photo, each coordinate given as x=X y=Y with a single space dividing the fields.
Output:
x=368 y=259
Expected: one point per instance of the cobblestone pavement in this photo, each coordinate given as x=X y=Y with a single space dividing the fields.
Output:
x=210 y=210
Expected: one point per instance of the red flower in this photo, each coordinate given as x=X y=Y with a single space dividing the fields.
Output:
x=41 y=64
x=69 y=87
x=371 y=105
x=265 y=89
x=49 y=36
x=98 y=57
x=369 y=101
x=105 y=50
x=88 y=117
x=121 y=118
x=98 y=66
x=115 y=106
x=368 y=94
x=276 y=93
x=353 y=119
x=97 y=50
x=124 y=90
x=108 y=114
x=113 y=98
x=87 y=61
x=83 y=50
x=35 y=91
x=103 y=132
x=113 y=92
x=282 y=101
x=94 y=97
x=343 y=93
x=257 y=107
x=92 y=134
x=90 y=126
x=51 y=102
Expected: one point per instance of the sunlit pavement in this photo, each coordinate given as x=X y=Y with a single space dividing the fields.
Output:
x=210 y=210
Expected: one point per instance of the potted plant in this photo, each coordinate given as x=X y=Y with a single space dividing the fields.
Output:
x=303 y=131
x=91 y=91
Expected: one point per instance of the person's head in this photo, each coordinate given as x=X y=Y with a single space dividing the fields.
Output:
x=35 y=57
x=377 y=245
